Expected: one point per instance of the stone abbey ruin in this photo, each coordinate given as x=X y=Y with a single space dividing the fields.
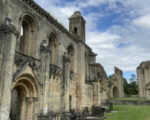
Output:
x=46 y=70
x=143 y=73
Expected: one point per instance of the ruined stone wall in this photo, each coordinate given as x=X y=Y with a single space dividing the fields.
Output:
x=117 y=84
x=1 y=11
x=88 y=96
x=143 y=73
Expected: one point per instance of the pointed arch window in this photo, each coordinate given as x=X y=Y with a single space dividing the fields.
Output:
x=28 y=36
x=54 y=47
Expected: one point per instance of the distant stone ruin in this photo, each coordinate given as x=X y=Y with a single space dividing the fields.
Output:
x=117 y=87
x=143 y=74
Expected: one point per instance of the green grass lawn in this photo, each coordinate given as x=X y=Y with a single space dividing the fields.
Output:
x=130 y=112
x=128 y=98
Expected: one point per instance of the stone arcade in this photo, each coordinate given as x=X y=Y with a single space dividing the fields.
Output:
x=44 y=69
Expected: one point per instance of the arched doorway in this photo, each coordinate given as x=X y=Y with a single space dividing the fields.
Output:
x=115 y=92
x=24 y=99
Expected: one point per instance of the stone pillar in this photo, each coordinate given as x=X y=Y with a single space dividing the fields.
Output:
x=45 y=68
x=141 y=87
x=80 y=89
x=147 y=81
x=66 y=83
x=8 y=37
x=96 y=94
x=119 y=75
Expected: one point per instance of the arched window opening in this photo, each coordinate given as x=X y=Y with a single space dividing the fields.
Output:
x=71 y=56
x=53 y=47
x=75 y=30
x=28 y=36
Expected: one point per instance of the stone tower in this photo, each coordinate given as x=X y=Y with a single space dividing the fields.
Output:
x=77 y=26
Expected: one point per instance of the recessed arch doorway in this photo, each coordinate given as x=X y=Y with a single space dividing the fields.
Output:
x=24 y=99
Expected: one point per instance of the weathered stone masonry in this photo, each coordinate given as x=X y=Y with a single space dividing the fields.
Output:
x=117 y=87
x=143 y=74
x=45 y=71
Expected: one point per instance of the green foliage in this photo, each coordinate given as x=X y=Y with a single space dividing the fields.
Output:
x=130 y=112
x=126 y=87
x=132 y=86
x=110 y=80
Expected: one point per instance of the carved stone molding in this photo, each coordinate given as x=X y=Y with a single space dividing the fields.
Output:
x=66 y=57
x=22 y=61
x=7 y=27
x=44 y=46
x=73 y=76
x=55 y=71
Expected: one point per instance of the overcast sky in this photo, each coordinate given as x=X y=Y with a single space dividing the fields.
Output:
x=117 y=30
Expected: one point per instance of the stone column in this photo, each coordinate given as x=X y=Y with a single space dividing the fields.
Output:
x=119 y=75
x=66 y=83
x=45 y=68
x=96 y=94
x=141 y=87
x=8 y=37
x=80 y=89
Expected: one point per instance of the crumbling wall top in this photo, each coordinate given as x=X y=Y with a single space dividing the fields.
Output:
x=117 y=71
x=144 y=65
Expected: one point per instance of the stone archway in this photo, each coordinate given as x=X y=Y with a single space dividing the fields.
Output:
x=24 y=99
x=115 y=92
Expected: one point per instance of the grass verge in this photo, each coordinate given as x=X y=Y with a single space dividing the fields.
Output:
x=130 y=112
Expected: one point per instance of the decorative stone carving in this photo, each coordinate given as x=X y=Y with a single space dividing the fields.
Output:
x=22 y=60
x=55 y=71
x=73 y=76
x=8 y=27
x=44 y=46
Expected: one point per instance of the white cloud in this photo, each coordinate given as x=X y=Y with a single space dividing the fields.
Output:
x=143 y=21
x=106 y=43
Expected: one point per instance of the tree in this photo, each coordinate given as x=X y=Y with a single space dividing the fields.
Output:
x=126 y=86
x=133 y=78
x=133 y=87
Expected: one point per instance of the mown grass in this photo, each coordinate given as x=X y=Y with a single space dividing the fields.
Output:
x=130 y=112
x=128 y=98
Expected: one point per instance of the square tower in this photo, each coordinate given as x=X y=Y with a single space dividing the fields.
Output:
x=77 y=26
